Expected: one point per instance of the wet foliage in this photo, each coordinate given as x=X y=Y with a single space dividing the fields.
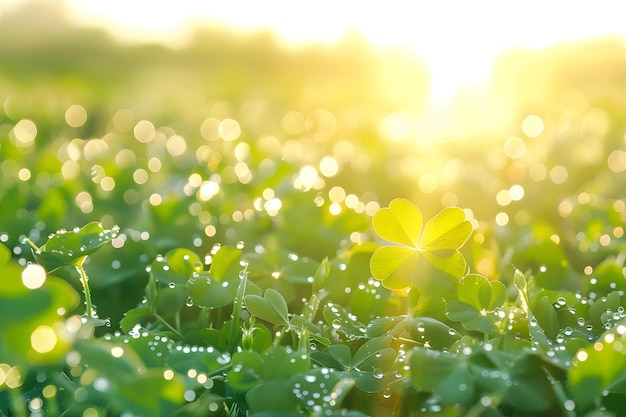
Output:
x=260 y=332
x=271 y=233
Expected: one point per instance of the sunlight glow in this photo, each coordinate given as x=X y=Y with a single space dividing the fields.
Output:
x=459 y=40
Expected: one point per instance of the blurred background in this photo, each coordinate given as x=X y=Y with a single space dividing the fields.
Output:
x=201 y=122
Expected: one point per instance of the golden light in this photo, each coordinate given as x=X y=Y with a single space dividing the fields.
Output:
x=459 y=40
x=43 y=339
x=117 y=351
x=24 y=133
x=33 y=276
x=76 y=115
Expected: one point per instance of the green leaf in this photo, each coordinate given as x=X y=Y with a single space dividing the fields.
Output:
x=394 y=266
x=442 y=373
x=70 y=247
x=25 y=311
x=447 y=231
x=112 y=360
x=611 y=302
x=334 y=357
x=316 y=386
x=298 y=323
x=599 y=368
x=321 y=275
x=520 y=280
x=400 y=223
x=471 y=318
x=546 y=317
x=476 y=302
x=272 y=396
x=453 y=263
x=225 y=263
x=134 y=316
x=176 y=267
x=281 y=363
x=278 y=302
x=369 y=350
x=280 y=264
x=205 y=291
x=523 y=380
x=246 y=369
x=482 y=294
x=343 y=321
x=428 y=331
x=271 y=307
x=129 y=393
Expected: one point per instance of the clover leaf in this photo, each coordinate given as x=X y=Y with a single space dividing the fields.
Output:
x=70 y=247
x=270 y=307
x=438 y=241
x=476 y=304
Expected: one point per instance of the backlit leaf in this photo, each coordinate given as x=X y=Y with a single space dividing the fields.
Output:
x=69 y=247
x=388 y=260
x=270 y=307
x=448 y=230
x=400 y=223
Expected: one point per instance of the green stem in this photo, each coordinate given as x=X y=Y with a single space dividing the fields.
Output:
x=203 y=317
x=311 y=307
x=166 y=324
x=84 y=280
x=177 y=320
x=279 y=335
x=237 y=306
x=32 y=244
x=219 y=371
x=562 y=397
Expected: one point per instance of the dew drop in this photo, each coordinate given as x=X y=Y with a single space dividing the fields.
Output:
x=172 y=285
x=101 y=384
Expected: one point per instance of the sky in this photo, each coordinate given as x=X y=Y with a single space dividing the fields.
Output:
x=458 y=38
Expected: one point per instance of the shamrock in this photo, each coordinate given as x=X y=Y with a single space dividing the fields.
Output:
x=438 y=241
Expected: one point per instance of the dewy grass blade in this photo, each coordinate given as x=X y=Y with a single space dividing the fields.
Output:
x=237 y=307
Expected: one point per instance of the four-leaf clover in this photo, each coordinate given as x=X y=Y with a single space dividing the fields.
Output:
x=437 y=241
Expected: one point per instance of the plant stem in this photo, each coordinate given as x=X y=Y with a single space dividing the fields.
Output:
x=84 y=280
x=166 y=324
x=310 y=308
x=237 y=305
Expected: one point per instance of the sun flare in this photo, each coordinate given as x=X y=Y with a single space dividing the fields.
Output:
x=458 y=40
